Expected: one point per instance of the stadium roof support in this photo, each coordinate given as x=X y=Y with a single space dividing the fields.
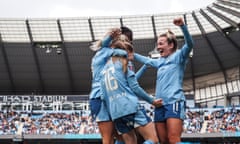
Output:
x=91 y=29
x=212 y=49
x=219 y=29
x=65 y=53
x=228 y=20
x=233 y=12
x=35 y=56
x=9 y=72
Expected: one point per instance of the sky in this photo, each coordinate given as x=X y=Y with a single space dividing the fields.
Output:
x=90 y=8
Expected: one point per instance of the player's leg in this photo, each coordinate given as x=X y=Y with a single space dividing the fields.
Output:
x=145 y=127
x=174 y=126
x=125 y=128
x=118 y=137
x=161 y=132
x=160 y=124
x=130 y=137
x=140 y=138
x=149 y=133
x=105 y=125
x=175 y=117
x=106 y=131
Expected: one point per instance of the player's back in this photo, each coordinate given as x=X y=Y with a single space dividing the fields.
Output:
x=119 y=97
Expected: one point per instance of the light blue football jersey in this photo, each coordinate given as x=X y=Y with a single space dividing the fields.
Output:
x=170 y=71
x=98 y=62
x=121 y=90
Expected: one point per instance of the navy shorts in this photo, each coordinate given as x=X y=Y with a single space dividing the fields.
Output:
x=127 y=123
x=99 y=110
x=176 y=110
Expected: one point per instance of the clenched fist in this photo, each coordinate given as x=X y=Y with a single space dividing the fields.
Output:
x=178 y=21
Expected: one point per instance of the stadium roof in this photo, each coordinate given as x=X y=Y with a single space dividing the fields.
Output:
x=31 y=63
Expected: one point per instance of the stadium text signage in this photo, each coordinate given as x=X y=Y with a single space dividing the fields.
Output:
x=32 y=98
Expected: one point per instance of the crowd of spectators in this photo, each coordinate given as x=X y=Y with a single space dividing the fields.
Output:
x=221 y=121
x=80 y=122
x=53 y=123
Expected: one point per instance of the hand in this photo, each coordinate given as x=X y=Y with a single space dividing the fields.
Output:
x=178 y=21
x=157 y=102
x=115 y=32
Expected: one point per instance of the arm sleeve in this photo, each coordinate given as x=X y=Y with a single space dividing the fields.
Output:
x=140 y=72
x=187 y=47
x=119 y=52
x=115 y=52
x=133 y=84
x=106 y=41
x=146 y=60
x=108 y=52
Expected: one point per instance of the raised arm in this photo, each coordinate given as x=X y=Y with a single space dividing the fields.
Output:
x=106 y=41
x=114 y=32
x=187 y=47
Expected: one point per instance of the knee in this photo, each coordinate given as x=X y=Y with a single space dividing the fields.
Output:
x=174 y=139
x=107 y=139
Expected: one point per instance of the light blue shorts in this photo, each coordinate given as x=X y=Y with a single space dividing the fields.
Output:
x=176 y=110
